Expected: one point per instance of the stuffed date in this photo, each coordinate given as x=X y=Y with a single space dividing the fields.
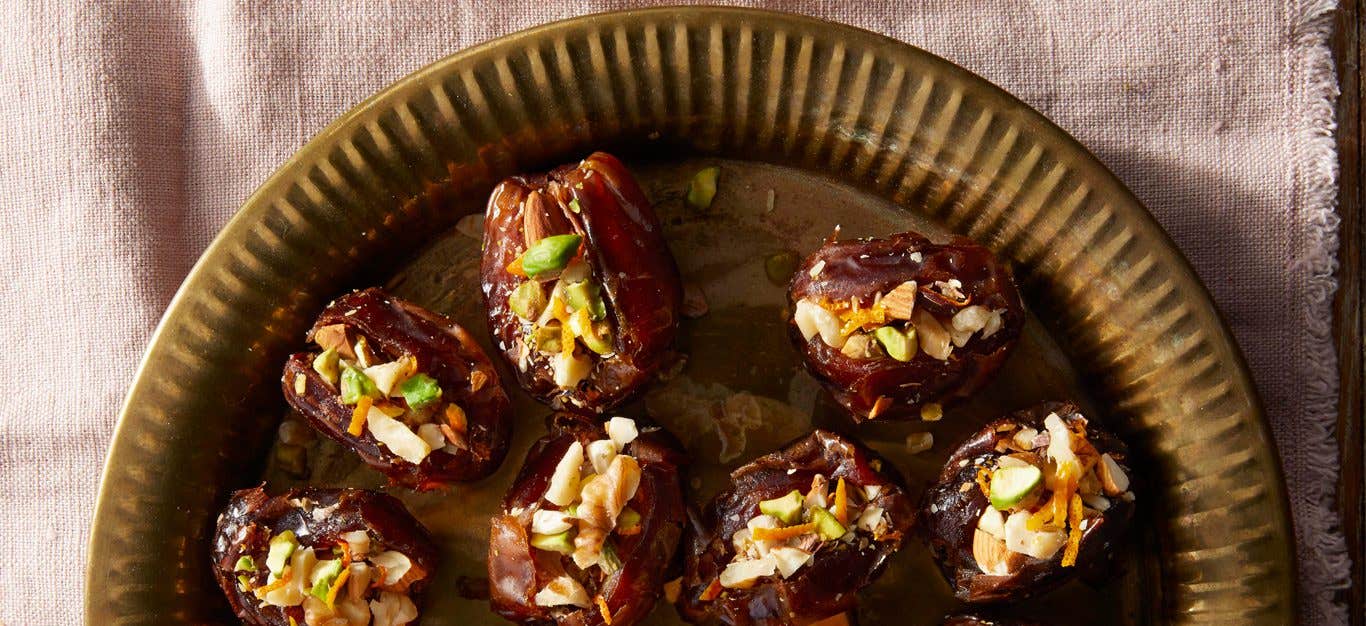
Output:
x=894 y=327
x=321 y=557
x=581 y=289
x=408 y=390
x=589 y=526
x=799 y=532
x=1027 y=502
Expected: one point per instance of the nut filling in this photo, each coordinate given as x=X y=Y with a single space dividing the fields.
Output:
x=589 y=525
x=408 y=390
x=1028 y=501
x=582 y=292
x=796 y=536
x=894 y=327
x=322 y=557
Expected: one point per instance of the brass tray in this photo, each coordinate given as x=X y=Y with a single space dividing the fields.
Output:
x=813 y=124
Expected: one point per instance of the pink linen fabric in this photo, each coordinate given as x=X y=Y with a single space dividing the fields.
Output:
x=131 y=131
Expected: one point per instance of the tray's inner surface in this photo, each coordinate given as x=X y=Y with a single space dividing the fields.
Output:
x=742 y=391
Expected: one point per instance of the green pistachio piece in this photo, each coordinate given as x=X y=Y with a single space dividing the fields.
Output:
x=324 y=573
x=702 y=188
x=527 y=300
x=788 y=508
x=780 y=267
x=282 y=546
x=586 y=294
x=827 y=526
x=546 y=339
x=550 y=254
x=628 y=519
x=899 y=345
x=558 y=542
x=354 y=384
x=326 y=365
x=245 y=564
x=420 y=391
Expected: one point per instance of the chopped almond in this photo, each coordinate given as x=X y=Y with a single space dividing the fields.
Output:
x=1112 y=476
x=900 y=302
x=882 y=404
x=535 y=219
x=991 y=554
x=333 y=337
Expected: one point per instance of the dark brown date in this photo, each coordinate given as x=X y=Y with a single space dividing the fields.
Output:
x=951 y=513
x=827 y=584
x=517 y=571
x=472 y=413
x=629 y=268
x=321 y=520
x=901 y=282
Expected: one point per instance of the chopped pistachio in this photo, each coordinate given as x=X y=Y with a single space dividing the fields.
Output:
x=546 y=339
x=245 y=564
x=827 y=526
x=702 y=187
x=574 y=205
x=558 y=542
x=420 y=391
x=550 y=254
x=323 y=574
x=282 y=546
x=787 y=508
x=900 y=346
x=586 y=294
x=354 y=384
x=527 y=300
x=326 y=365
x=596 y=335
x=628 y=519
x=610 y=562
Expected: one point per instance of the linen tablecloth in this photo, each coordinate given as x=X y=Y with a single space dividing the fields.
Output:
x=130 y=132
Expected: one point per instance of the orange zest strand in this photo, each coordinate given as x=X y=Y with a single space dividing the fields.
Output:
x=282 y=581
x=629 y=531
x=336 y=586
x=841 y=502
x=292 y=622
x=515 y=267
x=602 y=608
x=779 y=534
x=984 y=481
x=875 y=315
x=455 y=416
x=1069 y=557
x=712 y=591
x=359 y=416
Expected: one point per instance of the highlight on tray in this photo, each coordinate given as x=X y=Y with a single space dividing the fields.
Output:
x=407 y=389
x=590 y=525
x=895 y=327
x=796 y=535
x=1027 y=502
x=583 y=295
x=315 y=557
